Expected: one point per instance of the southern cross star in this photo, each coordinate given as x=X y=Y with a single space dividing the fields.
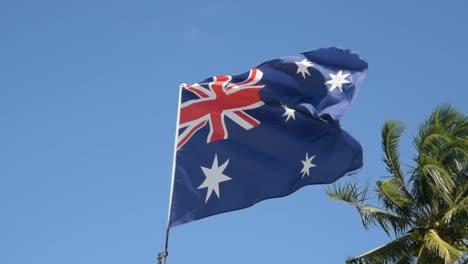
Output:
x=302 y=67
x=337 y=80
x=214 y=176
x=306 y=165
x=288 y=113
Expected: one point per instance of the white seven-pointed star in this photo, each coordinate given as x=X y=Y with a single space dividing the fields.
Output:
x=302 y=67
x=288 y=113
x=306 y=165
x=214 y=176
x=338 y=80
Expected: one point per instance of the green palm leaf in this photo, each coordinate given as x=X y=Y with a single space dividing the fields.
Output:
x=459 y=209
x=373 y=216
x=348 y=192
x=436 y=245
x=391 y=132
x=439 y=179
x=394 y=197
x=395 y=251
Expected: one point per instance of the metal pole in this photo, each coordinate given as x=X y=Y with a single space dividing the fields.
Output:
x=166 y=253
x=163 y=255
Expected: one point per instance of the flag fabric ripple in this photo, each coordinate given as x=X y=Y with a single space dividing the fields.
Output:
x=264 y=133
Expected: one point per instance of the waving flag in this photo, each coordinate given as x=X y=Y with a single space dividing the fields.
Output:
x=264 y=133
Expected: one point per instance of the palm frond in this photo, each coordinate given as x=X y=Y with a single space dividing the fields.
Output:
x=460 y=208
x=348 y=192
x=452 y=120
x=391 y=132
x=447 y=117
x=440 y=181
x=395 y=251
x=394 y=196
x=373 y=216
x=425 y=257
x=436 y=245
x=421 y=191
x=443 y=125
x=435 y=141
x=455 y=157
x=406 y=259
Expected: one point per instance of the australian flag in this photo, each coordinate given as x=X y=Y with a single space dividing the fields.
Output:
x=264 y=133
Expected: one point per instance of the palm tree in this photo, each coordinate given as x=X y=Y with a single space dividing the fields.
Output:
x=426 y=209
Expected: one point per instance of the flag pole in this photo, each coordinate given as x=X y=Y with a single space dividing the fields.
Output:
x=163 y=255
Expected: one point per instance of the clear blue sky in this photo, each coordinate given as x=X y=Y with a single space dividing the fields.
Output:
x=88 y=98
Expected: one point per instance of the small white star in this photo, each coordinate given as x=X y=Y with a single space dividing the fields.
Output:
x=338 y=80
x=288 y=113
x=214 y=176
x=302 y=67
x=306 y=165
